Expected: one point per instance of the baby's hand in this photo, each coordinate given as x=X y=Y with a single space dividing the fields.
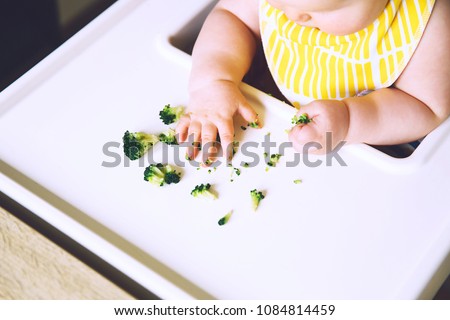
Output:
x=210 y=112
x=326 y=116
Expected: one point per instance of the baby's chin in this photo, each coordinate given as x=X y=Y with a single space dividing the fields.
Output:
x=339 y=28
x=340 y=31
x=334 y=31
x=346 y=26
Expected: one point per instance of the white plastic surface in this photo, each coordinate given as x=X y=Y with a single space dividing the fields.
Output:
x=361 y=231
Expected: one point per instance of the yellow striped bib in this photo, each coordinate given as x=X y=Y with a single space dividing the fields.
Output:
x=308 y=64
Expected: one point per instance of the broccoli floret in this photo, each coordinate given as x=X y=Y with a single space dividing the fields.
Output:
x=172 y=176
x=135 y=145
x=274 y=158
x=303 y=118
x=169 y=114
x=256 y=196
x=154 y=174
x=160 y=174
x=298 y=181
x=203 y=191
x=225 y=218
x=168 y=137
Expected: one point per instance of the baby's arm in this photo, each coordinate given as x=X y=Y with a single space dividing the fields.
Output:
x=416 y=104
x=391 y=116
x=222 y=55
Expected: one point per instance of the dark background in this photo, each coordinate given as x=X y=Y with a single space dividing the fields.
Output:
x=29 y=31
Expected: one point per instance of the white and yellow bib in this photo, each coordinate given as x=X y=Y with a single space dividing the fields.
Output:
x=308 y=64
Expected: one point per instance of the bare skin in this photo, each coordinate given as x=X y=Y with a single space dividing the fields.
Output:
x=416 y=104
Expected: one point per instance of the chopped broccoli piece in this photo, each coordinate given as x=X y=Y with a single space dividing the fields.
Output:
x=243 y=128
x=168 y=137
x=236 y=171
x=135 y=145
x=203 y=191
x=256 y=196
x=172 y=176
x=160 y=174
x=298 y=181
x=246 y=165
x=197 y=145
x=225 y=218
x=303 y=118
x=154 y=174
x=274 y=158
x=254 y=124
x=169 y=114
x=212 y=170
x=235 y=147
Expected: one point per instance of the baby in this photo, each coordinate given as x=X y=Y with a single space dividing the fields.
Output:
x=324 y=55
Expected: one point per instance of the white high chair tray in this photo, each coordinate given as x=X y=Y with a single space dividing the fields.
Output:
x=378 y=228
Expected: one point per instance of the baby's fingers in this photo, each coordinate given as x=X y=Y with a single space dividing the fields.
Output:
x=226 y=134
x=249 y=114
x=305 y=138
x=182 y=128
x=209 y=135
x=194 y=139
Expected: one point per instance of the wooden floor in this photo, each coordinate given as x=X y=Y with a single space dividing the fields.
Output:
x=32 y=267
